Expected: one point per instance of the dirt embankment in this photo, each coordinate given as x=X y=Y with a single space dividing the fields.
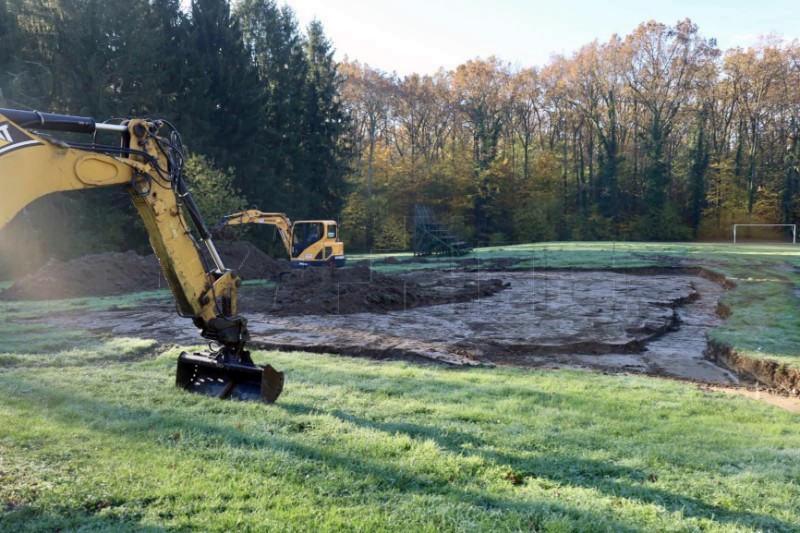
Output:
x=765 y=371
x=314 y=291
x=92 y=275
x=250 y=262
x=120 y=273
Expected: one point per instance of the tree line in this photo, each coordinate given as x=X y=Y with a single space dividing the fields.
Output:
x=657 y=135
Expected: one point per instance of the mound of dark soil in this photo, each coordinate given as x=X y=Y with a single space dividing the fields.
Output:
x=323 y=291
x=250 y=262
x=92 y=275
x=119 y=273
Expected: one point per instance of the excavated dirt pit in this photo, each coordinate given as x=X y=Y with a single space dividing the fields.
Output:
x=608 y=321
x=599 y=320
x=345 y=291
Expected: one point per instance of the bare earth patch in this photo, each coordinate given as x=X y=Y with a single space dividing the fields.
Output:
x=597 y=320
x=359 y=289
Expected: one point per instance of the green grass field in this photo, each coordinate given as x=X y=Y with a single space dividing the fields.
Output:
x=95 y=437
x=372 y=446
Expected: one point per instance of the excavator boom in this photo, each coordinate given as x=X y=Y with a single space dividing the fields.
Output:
x=150 y=168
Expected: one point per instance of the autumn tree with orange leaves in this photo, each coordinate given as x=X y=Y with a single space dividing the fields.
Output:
x=655 y=135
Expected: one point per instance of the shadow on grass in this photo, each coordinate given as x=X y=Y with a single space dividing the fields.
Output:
x=26 y=518
x=455 y=439
x=567 y=470
x=564 y=469
x=390 y=478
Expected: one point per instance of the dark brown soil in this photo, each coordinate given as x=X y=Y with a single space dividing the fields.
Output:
x=325 y=291
x=119 y=273
x=250 y=262
x=315 y=291
x=92 y=275
x=770 y=373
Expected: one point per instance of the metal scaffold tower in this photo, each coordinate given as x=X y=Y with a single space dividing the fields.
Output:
x=433 y=238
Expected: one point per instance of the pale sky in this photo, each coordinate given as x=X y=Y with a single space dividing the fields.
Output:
x=422 y=35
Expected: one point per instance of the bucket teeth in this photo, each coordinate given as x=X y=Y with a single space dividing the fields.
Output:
x=205 y=373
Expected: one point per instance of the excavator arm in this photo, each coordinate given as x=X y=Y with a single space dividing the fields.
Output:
x=254 y=216
x=150 y=168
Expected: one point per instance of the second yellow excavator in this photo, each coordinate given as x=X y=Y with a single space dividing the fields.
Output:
x=308 y=242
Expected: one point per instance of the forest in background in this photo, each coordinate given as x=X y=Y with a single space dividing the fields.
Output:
x=657 y=135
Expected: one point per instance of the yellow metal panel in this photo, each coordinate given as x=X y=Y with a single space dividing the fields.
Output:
x=34 y=168
x=96 y=170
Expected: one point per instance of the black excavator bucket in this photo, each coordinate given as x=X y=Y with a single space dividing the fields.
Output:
x=206 y=373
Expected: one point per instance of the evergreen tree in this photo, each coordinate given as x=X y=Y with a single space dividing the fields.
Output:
x=222 y=107
x=169 y=59
x=324 y=124
x=791 y=184
x=656 y=179
x=28 y=50
x=82 y=61
x=273 y=37
x=8 y=26
x=607 y=193
x=699 y=158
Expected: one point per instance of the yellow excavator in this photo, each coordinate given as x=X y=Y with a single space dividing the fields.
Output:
x=308 y=242
x=149 y=165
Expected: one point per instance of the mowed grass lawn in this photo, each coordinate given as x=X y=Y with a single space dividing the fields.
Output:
x=370 y=446
x=94 y=436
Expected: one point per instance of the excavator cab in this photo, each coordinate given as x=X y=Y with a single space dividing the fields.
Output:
x=304 y=235
x=316 y=243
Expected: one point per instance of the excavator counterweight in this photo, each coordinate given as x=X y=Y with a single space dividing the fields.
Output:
x=150 y=167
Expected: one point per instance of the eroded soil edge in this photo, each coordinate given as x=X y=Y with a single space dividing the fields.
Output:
x=765 y=371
